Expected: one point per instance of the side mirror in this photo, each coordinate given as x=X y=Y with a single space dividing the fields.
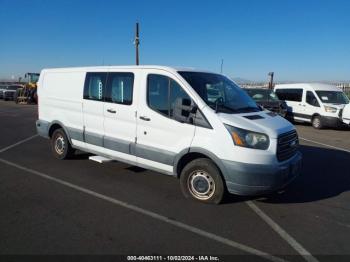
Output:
x=218 y=102
x=194 y=109
x=183 y=109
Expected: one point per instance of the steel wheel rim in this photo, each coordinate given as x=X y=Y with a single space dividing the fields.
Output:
x=60 y=144
x=201 y=185
x=316 y=122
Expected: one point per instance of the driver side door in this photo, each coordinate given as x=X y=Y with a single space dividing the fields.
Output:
x=160 y=137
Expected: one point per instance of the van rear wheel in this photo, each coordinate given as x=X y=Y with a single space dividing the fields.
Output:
x=60 y=146
x=317 y=122
x=201 y=180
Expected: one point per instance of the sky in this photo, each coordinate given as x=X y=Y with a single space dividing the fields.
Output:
x=299 y=40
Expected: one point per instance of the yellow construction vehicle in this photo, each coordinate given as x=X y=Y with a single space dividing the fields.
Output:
x=27 y=94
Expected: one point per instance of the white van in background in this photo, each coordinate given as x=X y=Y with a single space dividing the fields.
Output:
x=197 y=126
x=319 y=104
x=345 y=115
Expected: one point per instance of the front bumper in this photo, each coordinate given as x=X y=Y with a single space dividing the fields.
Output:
x=346 y=121
x=252 y=179
x=9 y=95
x=331 y=121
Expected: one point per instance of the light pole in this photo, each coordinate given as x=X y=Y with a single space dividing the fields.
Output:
x=271 y=74
x=137 y=43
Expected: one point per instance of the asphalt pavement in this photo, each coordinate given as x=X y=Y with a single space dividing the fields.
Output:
x=80 y=207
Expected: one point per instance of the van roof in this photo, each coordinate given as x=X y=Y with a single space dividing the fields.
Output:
x=126 y=67
x=313 y=86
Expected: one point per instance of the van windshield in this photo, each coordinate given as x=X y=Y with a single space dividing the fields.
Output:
x=220 y=93
x=333 y=97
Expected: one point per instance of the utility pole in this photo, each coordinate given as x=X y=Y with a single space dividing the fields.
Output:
x=271 y=80
x=222 y=66
x=137 y=43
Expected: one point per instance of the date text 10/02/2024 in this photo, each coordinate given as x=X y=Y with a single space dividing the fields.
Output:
x=173 y=258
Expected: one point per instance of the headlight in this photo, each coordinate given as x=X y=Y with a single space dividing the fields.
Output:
x=250 y=139
x=330 y=109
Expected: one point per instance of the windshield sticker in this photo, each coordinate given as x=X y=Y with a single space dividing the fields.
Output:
x=324 y=98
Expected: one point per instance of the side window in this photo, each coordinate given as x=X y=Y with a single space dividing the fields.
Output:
x=290 y=94
x=296 y=95
x=158 y=93
x=120 y=88
x=311 y=99
x=94 y=87
x=167 y=97
x=280 y=94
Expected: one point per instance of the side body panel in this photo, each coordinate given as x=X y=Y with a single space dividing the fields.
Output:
x=60 y=99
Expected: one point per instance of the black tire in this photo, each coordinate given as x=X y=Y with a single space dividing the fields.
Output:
x=205 y=175
x=317 y=122
x=60 y=146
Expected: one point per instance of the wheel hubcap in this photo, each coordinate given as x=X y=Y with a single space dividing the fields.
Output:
x=316 y=122
x=60 y=145
x=201 y=185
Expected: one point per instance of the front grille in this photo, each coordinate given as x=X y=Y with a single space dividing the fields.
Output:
x=287 y=145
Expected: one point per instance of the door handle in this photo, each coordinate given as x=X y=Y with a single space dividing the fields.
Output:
x=145 y=118
x=112 y=111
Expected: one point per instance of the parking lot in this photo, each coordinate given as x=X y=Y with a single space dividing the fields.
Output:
x=82 y=207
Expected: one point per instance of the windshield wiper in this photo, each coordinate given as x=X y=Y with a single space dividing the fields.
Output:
x=224 y=109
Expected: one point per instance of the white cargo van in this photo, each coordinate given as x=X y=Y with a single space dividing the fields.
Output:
x=167 y=120
x=319 y=104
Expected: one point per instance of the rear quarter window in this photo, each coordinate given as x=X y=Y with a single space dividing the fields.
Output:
x=120 y=88
x=95 y=85
x=290 y=94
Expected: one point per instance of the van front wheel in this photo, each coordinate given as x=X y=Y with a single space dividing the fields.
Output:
x=60 y=145
x=201 y=180
x=317 y=122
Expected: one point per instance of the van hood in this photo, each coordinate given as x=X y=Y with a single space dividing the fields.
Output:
x=263 y=122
